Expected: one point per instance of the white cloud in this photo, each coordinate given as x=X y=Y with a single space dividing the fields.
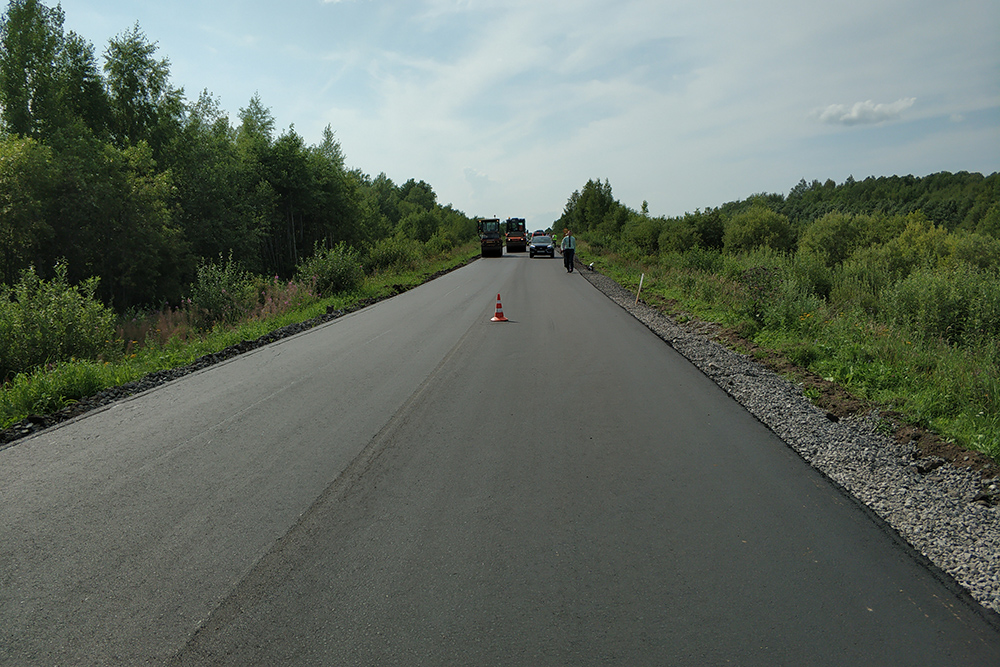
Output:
x=865 y=113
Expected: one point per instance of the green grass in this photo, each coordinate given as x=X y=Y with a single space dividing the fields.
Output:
x=55 y=386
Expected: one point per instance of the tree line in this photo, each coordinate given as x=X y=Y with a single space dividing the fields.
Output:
x=963 y=204
x=112 y=171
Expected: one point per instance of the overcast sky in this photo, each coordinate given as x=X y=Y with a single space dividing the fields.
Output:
x=507 y=106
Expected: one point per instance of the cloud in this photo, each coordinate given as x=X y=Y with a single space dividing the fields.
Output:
x=479 y=183
x=865 y=113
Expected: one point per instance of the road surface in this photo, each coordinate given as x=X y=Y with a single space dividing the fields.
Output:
x=415 y=484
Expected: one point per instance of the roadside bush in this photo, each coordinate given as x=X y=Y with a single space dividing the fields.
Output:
x=676 y=236
x=702 y=259
x=438 y=245
x=870 y=271
x=976 y=250
x=419 y=225
x=221 y=293
x=392 y=253
x=332 y=270
x=643 y=233
x=49 y=321
x=833 y=238
x=755 y=227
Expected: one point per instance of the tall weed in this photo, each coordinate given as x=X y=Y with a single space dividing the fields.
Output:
x=960 y=306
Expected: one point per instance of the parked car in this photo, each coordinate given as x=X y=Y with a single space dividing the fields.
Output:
x=541 y=245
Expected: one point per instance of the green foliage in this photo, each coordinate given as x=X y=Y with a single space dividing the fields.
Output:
x=222 y=293
x=588 y=208
x=419 y=225
x=758 y=226
x=46 y=321
x=392 y=253
x=989 y=224
x=677 y=236
x=144 y=107
x=50 y=389
x=709 y=228
x=438 y=245
x=30 y=40
x=643 y=233
x=27 y=179
x=954 y=201
x=960 y=306
x=978 y=250
x=131 y=183
x=332 y=270
x=833 y=238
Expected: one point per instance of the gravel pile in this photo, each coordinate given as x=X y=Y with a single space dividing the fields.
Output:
x=949 y=514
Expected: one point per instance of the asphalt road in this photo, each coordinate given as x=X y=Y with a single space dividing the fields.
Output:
x=414 y=484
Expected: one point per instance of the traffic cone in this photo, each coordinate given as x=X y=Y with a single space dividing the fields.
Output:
x=498 y=317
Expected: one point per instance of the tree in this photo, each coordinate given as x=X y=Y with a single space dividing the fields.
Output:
x=81 y=87
x=587 y=208
x=336 y=201
x=30 y=39
x=143 y=105
x=419 y=194
x=256 y=122
x=210 y=198
x=27 y=177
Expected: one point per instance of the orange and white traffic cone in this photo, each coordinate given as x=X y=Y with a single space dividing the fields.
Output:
x=498 y=317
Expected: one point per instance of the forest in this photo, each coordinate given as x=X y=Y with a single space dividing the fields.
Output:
x=113 y=174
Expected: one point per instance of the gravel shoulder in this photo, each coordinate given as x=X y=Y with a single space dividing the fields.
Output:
x=941 y=500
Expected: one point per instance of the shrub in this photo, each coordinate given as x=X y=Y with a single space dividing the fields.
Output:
x=438 y=244
x=702 y=259
x=643 y=233
x=760 y=284
x=392 y=253
x=791 y=307
x=222 y=293
x=332 y=270
x=755 y=227
x=419 y=225
x=814 y=274
x=976 y=250
x=49 y=321
x=833 y=238
x=676 y=236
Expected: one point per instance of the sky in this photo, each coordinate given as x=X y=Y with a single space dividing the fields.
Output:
x=506 y=107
